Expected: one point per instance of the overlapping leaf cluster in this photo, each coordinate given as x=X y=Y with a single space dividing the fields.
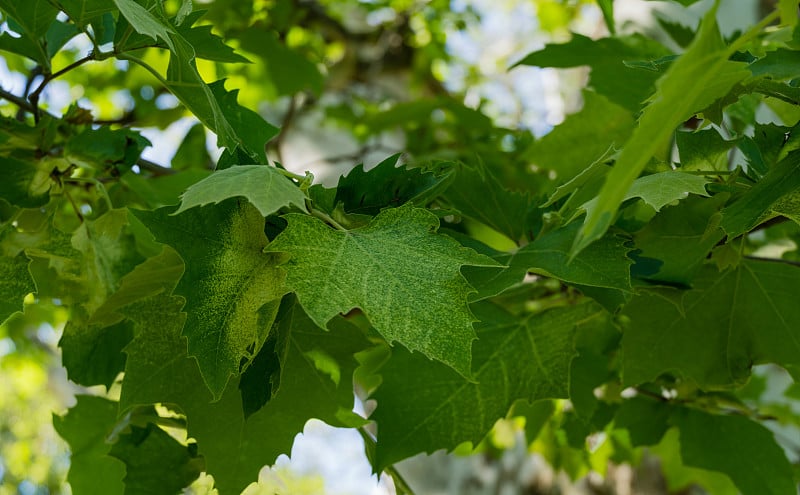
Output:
x=636 y=270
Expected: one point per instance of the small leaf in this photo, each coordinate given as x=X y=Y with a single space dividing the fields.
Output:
x=403 y=275
x=659 y=190
x=263 y=186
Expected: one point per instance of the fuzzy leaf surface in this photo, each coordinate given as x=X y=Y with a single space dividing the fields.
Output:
x=232 y=288
x=403 y=275
x=424 y=406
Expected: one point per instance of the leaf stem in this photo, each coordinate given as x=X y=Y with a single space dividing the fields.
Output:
x=291 y=175
x=327 y=219
x=752 y=32
x=141 y=63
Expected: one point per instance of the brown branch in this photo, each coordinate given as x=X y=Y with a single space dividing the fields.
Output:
x=34 y=96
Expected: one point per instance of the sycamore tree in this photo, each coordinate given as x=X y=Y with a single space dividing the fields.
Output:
x=627 y=283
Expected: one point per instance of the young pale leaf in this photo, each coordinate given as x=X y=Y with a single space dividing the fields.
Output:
x=232 y=289
x=732 y=321
x=700 y=76
x=85 y=427
x=263 y=186
x=403 y=275
x=424 y=406
x=155 y=462
x=740 y=448
x=659 y=190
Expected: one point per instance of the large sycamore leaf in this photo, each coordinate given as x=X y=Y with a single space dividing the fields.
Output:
x=15 y=279
x=316 y=382
x=262 y=185
x=701 y=75
x=724 y=325
x=403 y=275
x=232 y=288
x=85 y=427
x=424 y=406
x=734 y=445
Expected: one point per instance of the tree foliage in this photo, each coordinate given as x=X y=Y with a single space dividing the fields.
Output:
x=621 y=275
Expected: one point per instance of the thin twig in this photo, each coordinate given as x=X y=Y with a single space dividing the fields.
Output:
x=34 y=96
x=22 y=103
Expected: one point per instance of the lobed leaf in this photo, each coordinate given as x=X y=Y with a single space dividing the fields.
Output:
x=403 y=275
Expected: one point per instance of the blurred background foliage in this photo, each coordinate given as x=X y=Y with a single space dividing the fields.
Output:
x=348 y=82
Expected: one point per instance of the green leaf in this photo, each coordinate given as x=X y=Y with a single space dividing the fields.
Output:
x=700 y=76
x=424 y=406
x=206 y=44
x=678 y=241
x=34 y=16
x=659 y=190
x=144 y=22
x=83 y=12
x=86 y=427
x=164 y=190
x=25 y=183
x=15 y=279
x=647 y=420
x=610 y=75
x=402 y=274
x=604 y=264
x=262 y=185
x=252 y=131
x=703 y=150
x=92 y=354
x=289 y=71
x=583 y=137
x=316 y=382
x=749 y=210
x=192 y=153
x=607 y=7
x=734 y=445
x=232 y=289
x=155 y=462
x=386 y=185
x=104 y=147
x=731 y=321
x=477 y=194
